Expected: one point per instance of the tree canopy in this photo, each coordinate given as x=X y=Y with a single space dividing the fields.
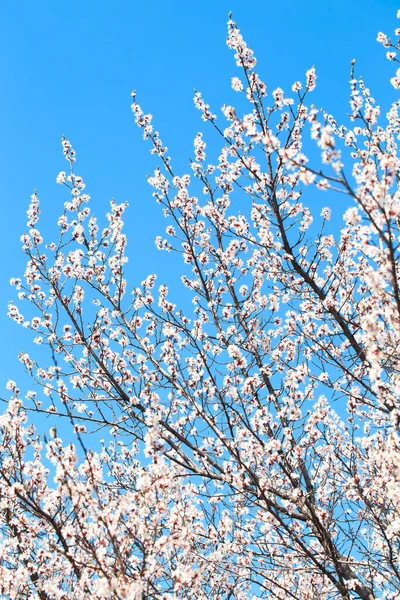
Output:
x=244 y=443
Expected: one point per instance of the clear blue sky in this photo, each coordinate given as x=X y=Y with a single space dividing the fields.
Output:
x=68 y=67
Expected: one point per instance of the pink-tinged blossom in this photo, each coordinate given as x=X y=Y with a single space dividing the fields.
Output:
x=326 y=213
x=395 y=81
x=237 y=85
x=311 y=79
x=383 y=39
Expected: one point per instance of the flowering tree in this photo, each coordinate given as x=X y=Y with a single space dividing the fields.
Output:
x=251 y=437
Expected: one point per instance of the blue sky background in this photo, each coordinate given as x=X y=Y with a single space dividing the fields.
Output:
x=68 y=67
